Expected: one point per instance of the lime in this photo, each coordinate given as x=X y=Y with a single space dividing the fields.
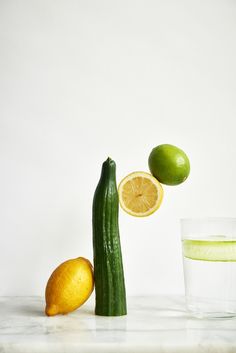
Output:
x=210 y=250
x=169 y=164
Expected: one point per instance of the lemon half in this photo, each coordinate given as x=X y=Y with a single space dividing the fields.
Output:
x=140 y=194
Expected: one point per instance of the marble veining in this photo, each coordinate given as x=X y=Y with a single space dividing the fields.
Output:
x=154 y=324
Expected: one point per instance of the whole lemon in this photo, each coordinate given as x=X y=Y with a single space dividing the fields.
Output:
x=169 y=164
x=69 y=286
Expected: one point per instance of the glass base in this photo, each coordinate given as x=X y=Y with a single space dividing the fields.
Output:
x=210 y=315
x=202 y=308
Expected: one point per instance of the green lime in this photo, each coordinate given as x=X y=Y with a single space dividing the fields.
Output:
x=210 y=250
x=169 y=164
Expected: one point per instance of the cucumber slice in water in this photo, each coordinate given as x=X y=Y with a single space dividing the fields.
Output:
x=210 y=250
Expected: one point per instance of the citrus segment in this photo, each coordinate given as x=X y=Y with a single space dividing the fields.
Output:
x=210 y=250
x=140 y=194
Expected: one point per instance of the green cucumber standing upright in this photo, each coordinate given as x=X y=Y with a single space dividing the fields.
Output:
x=108 y=266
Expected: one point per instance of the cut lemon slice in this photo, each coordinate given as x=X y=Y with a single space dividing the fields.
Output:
x=140 y=194
x=210 y=250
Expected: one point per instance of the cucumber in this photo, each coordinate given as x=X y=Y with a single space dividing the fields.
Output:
x=108 y=267
x=223 y=250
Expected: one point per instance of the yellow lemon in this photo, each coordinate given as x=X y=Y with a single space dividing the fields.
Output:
x=69 y=286
x=140 y=194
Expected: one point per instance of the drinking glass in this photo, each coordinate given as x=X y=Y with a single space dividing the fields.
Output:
x=209 y=260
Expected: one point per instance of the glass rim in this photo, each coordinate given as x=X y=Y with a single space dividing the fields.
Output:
x=206 y=218
x=201 y=227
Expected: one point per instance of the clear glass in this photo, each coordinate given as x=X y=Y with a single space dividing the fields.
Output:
x=209 y=259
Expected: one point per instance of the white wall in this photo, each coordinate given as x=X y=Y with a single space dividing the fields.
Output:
x=83 y=80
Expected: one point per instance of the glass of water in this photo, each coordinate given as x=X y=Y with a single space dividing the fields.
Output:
x=209 y=258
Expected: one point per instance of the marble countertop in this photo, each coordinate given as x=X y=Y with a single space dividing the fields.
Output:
x=153 y=325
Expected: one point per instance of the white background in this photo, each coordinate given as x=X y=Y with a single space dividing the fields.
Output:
x=84 y=80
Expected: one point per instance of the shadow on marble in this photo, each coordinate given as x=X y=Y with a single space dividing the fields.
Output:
x=86 y=311
x=30 y=311
x=169 y=312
